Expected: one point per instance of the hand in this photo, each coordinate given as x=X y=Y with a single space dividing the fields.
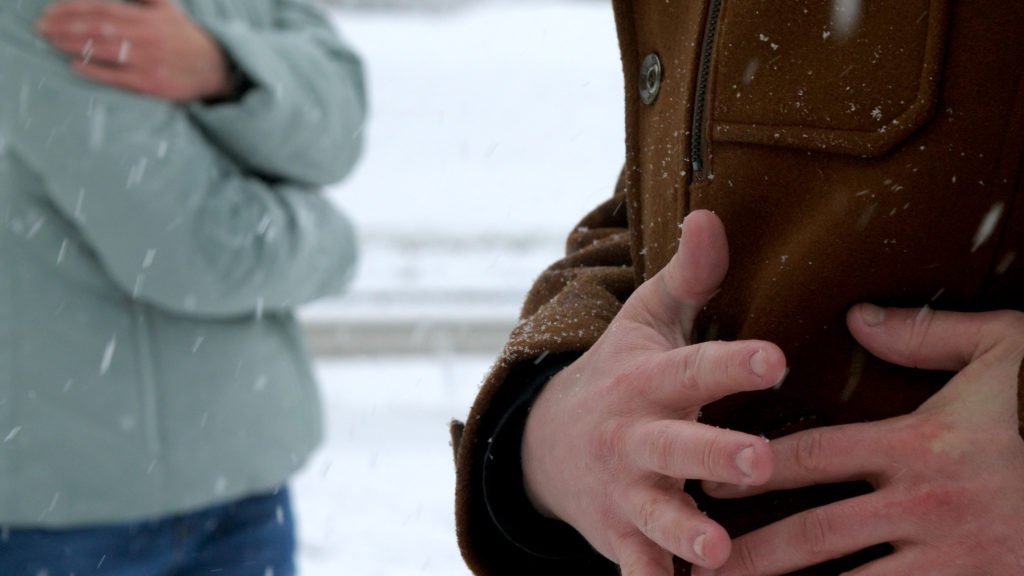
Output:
x=948 y=478
x=152 y=47
x=613 y=437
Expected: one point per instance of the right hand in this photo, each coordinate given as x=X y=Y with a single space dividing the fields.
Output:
x=613 y=437
x=151 y=47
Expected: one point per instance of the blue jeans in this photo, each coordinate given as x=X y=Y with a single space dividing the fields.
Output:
x=250 y=537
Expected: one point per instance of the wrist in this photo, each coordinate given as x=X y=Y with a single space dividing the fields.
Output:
x=535 y=458
x=223 y=79
x=504 y=492
x=218 y=83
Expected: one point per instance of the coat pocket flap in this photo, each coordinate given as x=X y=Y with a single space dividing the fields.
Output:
x=845 y=76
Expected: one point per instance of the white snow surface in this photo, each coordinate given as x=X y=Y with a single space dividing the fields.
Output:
x=377 y=499
x=493 y=130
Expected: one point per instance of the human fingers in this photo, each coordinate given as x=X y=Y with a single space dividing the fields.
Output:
x=931 y=339
x=669 y=517
x=812 y=537
x=820 y=456
x=672 y=298
x=913 y=560
x=636 y=555
x=689 y=450
x=692 y=376
x=73 y=37
x=107 y=50
x=91 y=16
x=120 y=77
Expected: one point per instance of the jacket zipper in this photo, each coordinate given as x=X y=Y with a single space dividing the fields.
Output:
x=698 y=145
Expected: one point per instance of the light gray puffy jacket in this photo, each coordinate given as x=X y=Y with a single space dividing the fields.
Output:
x=150 y=258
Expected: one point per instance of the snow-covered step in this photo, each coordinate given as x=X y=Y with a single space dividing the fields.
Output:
x=406 y=337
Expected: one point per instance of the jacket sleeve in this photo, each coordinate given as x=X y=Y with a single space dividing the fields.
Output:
x=173 y=221
x=302 y=116
x=566 y=311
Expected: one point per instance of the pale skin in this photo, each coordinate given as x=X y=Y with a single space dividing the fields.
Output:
x=615 y=469
x=949 y=478
x=152 y=47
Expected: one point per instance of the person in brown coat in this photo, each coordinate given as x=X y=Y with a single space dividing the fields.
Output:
x=865 y=162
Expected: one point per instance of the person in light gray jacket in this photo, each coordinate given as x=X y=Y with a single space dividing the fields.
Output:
x=160 y=164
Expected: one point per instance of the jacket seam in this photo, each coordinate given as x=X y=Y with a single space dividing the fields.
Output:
x=148 y=391
x=6 y=463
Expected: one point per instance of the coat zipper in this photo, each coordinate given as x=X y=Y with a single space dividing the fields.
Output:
x=698 y=144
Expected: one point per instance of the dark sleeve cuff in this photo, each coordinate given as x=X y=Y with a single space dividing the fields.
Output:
x=239 y=83
x=503 y=489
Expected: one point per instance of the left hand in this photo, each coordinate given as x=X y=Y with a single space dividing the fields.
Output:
x=151 y=47
x=948 y=478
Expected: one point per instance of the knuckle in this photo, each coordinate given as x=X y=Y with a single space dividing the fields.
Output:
x=607 y=444
x=632 y=383
x=689 y=367
x=923 y=440
x=711 y=457
x=744 y=556
x=935 y=503
x=816 y=531
x=809 y=452
x=653 y=521
x=918 y=328
x=1013 y=320
x=647 y=516
x=1009 y=325
x=662 y=449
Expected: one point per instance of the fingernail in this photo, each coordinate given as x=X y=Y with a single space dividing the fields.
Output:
x=872 y=315
x=781 y=379
x=698 y=547
x=745 y=461
x=758 y=363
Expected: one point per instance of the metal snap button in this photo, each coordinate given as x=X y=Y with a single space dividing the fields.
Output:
x=650 y=78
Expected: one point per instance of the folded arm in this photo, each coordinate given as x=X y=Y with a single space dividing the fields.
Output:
x=285 y=98
x=302 y=118
x=174 y=221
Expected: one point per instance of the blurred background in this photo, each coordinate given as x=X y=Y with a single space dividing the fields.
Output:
x=495 y=125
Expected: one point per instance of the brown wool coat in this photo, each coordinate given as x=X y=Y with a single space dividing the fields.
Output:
x=846 y=164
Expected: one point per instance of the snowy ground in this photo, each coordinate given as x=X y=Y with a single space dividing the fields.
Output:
x=377 y=498
x=494 y=129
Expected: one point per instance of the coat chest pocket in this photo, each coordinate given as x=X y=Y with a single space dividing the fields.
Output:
x=844 y=76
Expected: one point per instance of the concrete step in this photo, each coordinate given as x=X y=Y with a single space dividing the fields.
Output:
x=405 y=337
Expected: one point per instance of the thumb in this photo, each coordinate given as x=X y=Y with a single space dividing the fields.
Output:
x=678 y=292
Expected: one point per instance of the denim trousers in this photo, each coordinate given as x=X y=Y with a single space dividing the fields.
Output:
x=250 y=537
